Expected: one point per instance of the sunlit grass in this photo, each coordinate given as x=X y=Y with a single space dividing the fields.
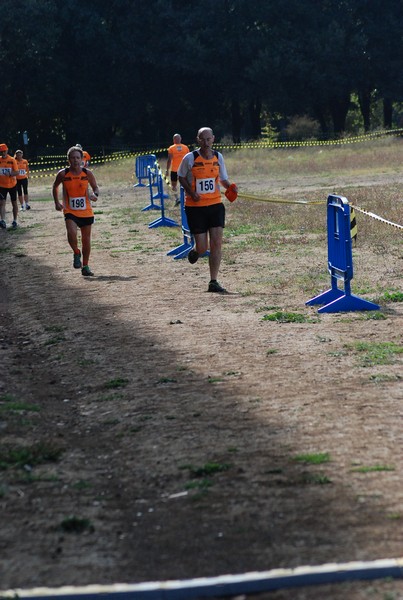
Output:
x=268 y=173
x=376 y=353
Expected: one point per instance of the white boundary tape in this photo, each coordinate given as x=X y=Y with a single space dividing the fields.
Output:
x=225 y=585
x=377 y=217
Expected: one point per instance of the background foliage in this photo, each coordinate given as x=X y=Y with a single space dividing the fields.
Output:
x=113 y=72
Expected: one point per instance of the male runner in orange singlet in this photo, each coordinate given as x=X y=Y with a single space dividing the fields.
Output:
x=175 y=154
x=200 y=174
x=77 y=205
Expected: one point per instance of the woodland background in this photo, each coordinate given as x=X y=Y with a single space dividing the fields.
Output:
x=128 y=73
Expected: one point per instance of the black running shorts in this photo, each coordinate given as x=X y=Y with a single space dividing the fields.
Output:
x=12 y=191
x=22 y=186
x=202 y=218
x=80 y=221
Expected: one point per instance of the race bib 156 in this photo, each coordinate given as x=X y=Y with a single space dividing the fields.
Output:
x=205 y=186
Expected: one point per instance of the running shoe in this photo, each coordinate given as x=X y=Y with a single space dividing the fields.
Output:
x=77 y=261
x=14 y=225
x=193 y=257
x=23 y=207
x=3 y=224
x=27 y=206
x=86 y=271
x=214 y=286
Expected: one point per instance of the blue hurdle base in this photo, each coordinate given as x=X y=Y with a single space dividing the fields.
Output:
x=334 y=300
x=348 y=303
x=159 y=196
x=163 y=222
x=151 y=207
x=185 y=253
x=326 y=297
x=180 y=249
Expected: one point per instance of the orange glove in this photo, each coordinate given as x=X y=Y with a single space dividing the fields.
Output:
x=232 y=192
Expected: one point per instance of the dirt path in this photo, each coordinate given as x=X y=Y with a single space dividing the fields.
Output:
x=167 y=420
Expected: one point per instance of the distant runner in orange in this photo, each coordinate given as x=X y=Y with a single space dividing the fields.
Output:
x=22 y=179
x=175 y=154
x=8 y=185
x=86 y=156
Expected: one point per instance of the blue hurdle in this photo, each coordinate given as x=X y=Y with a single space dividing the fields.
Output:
x=162 y=221
x=141 y=168
x=152 y=173
x=340 y=262
x=183 y=249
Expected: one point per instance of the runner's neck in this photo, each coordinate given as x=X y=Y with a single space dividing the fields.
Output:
x=207 y=154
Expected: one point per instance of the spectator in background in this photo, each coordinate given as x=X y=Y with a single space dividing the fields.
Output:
x=22 y=179
x=8 y=185
x=78 y=212
x=175 y=154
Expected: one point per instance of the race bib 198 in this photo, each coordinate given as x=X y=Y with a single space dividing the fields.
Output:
x=23 y=172
x=78 y=203
x=205 y=186
x=6 y=171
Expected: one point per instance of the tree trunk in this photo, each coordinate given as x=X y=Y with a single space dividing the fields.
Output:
x=364 y=99
x=320 y=116
x=339 y=109
x=387 y=113
x=255 y=108
x=236 y=121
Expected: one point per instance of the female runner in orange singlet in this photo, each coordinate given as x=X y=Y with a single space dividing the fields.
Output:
x=78 y=212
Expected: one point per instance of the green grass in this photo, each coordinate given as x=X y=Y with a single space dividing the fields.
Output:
x=383 y=378
x=376 y=353
x=392 y=297
x=313 y=459
x=56 y=339
x=15 y=406
x=55 y=328
x=75 y=524
x=316 y=479
x=286 y=317
x=19 y=456
x=208 y=469
x=373 y=469
x=118 y=382
x=373 y=316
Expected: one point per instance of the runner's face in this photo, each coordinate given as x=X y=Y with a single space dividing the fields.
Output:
x=75 y=159
x=206 y=139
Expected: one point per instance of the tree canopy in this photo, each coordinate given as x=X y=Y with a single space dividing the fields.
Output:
x=134 y=72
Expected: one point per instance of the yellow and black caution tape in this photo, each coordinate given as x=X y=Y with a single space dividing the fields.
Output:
x=353 y=225
x=312 y=143
x=278 y=200
x=59 y=160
